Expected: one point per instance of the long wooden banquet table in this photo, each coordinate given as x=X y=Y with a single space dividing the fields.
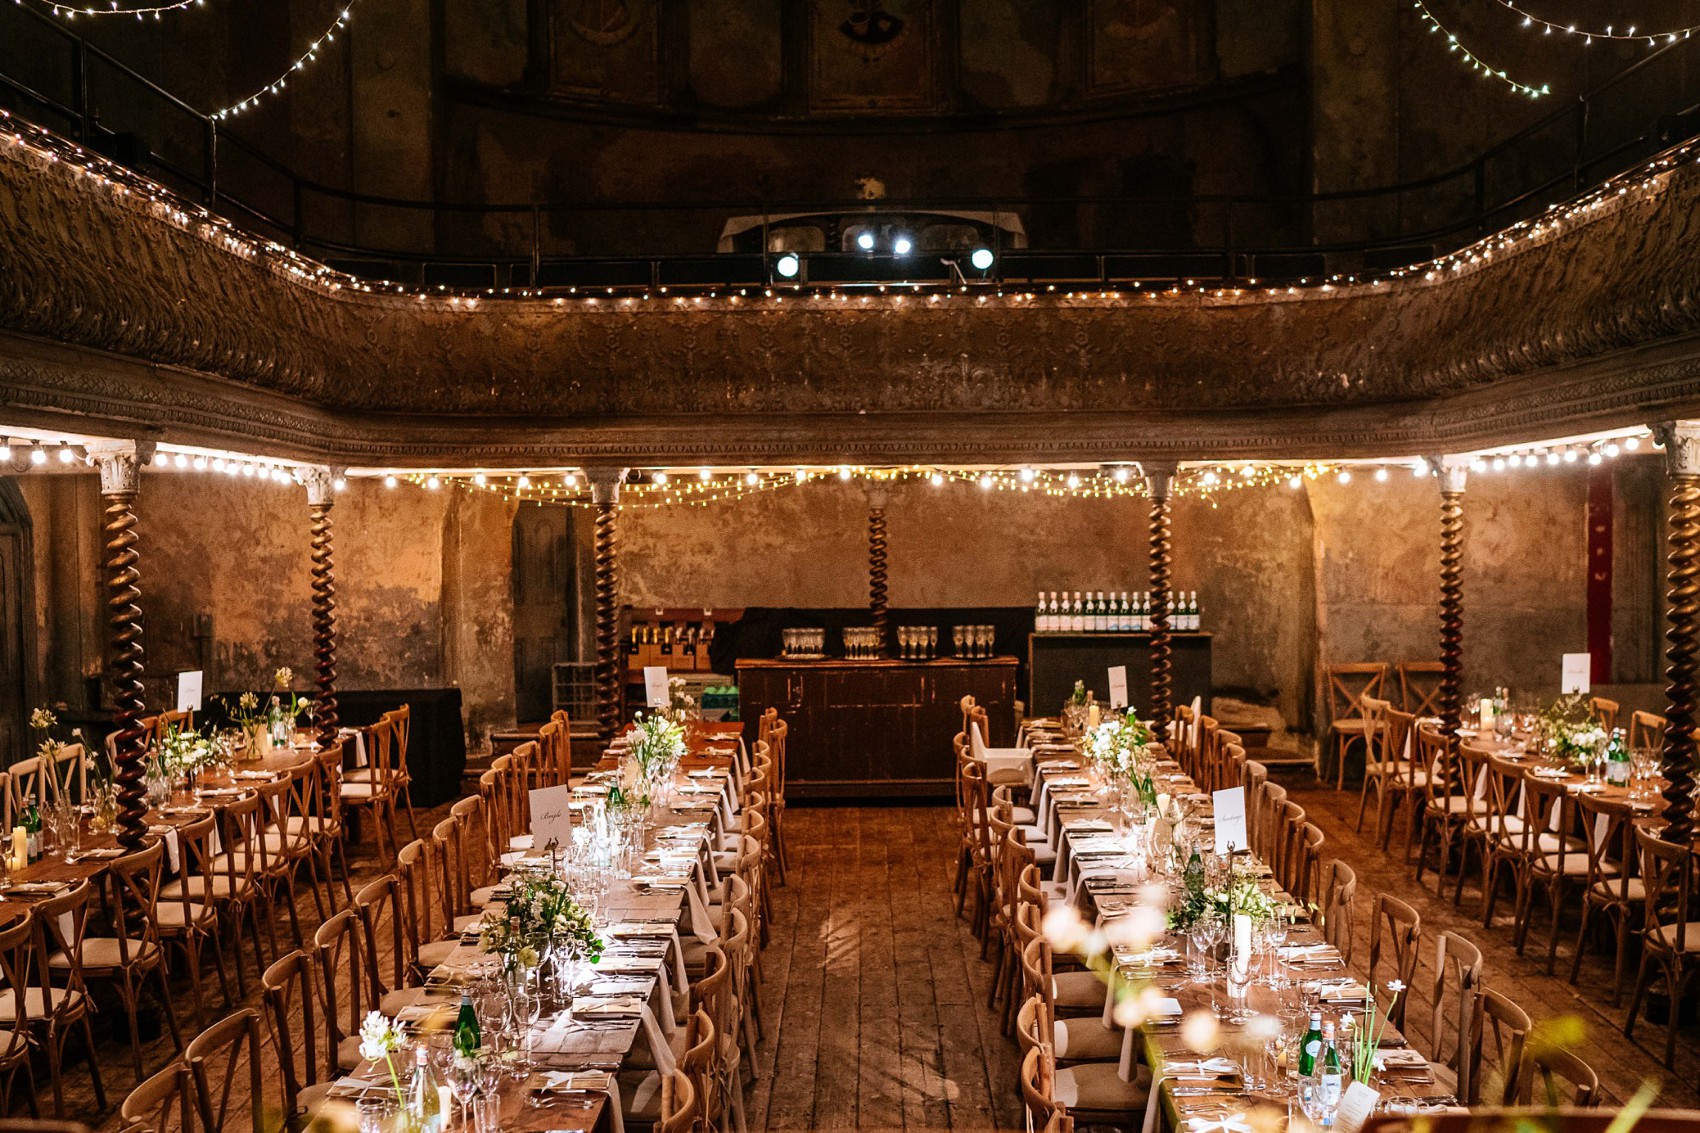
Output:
x=1095 y=871
x=576 y=1054
x=216 y=789
x=1511 y=756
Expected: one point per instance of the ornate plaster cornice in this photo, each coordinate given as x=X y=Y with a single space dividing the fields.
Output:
x=121 y=315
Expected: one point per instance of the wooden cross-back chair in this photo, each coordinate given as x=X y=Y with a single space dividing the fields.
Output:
x=1419 y=687
x=215 y=1059
x=1670 y=933
x=1605 y=711
x=401 y=720
x=1346 y=684
x=371 y=789
x=1646 y=732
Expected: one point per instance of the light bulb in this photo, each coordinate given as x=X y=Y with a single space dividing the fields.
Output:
x=986 y=482
x=524 y=481
x=200 y=463
x=1345 y=476
x=937 y=478
x=1121 y=475
x=389 y=481
x=901 y=245
x=340 y=484
x=433 y=483
x=660 y=477
x=1027 y=475
x=752 y=479
x=865 y=241
x=1295 y=482
x=480 y=479
x=1632 y=443
x=1381 y=474
x=180 y=461
x=66 y=456
x=981 y=259
x=704 y=475
x=1073 y=480
x=38 y=456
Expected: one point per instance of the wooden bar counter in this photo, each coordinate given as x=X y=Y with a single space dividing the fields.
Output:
x=875 y=729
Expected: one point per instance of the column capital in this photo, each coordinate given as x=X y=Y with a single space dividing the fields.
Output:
x=1681 y=440
x=605 y=483
x=120 y=464
x=1452 y=471
x=879 y=494
x=320 y=481
x=1159 y=476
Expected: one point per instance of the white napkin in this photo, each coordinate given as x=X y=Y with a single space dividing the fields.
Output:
x=585 y=1080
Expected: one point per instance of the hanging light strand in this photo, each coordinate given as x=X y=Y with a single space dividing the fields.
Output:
x=1475 y=62
x=70 y=11
x=1612 y=31
x=301 y=61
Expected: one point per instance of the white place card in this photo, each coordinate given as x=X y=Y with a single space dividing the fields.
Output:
x=656 y=694
x=551 y=817
x=189 y=691
x=1578 y=668
x=1230 y=820
x=1118 y=686
x=1356 y=1106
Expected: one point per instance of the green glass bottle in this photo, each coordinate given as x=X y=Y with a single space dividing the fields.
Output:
x=32 y=832
x=1310 y=1047
x=1333 y=1080
x=468 y=1037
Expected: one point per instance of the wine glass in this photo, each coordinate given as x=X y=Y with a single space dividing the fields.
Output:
x=959 y=634
x=1275 y=932
x=1208 y=933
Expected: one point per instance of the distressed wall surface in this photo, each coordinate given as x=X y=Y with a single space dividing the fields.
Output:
x=422 y=587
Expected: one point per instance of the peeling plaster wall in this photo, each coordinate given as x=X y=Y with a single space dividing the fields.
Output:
x=1525 y=584
x=422 y=586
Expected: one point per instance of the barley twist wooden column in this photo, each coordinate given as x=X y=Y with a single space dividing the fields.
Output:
x=120 y=464
x=1159 y=481
x=1452 y=471
x=605 y=484
x=877 y=562
x=321 y=494
x=1682 y=463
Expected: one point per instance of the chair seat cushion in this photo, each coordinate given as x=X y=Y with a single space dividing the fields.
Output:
x=357 y=791
x=483 y=895
x=1667 y=934
x=1635 y=889
x=174 y=915
x=1087 y=1040
x=1078 y=991
x=102 y=952
x=1024 y=816
x=462 y=923
x=221 y=887
x=359 y=774
x=1098 y=1088
x=348 y=1054
x=1348 y=727
x=35 y=1004
x=1570 y=864
x=1451 y=804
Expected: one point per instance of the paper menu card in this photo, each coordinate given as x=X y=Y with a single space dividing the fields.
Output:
x=1577 y=669
x=1230 y=820
x=656 y=694
x=1356 y=1106
x=189 y=691
x=1118 y=686
x=551 y=818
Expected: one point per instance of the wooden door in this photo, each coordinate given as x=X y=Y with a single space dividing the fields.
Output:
x=544 y=610
x=17 y=613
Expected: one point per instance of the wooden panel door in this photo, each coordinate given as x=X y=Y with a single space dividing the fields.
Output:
x=543 y=589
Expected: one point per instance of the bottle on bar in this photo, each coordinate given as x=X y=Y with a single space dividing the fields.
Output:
x=1142 y=617
x=1039 y=615
x=1076 y=616
x=1055 y=613
x=1098 y=625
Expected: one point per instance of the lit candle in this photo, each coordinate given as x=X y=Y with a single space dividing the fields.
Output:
x=20 y=847
x=1093 y=714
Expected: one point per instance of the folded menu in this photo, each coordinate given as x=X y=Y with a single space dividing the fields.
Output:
x=569 y=1081
x=1337 y=993
x=626 y=929
x=36 y=888
x=351 y=1087
x=617 y=1007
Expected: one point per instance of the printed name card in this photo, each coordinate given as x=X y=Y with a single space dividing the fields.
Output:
x=1577 y=668
x=551 y=817
x=189 y=691
x=1118 y=686
x=656 y=694
x=1356 y=1106
x=1230 y=820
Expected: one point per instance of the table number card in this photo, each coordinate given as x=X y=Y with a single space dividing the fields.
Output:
x=1230 y=820
x=1577 y=667
x=551 y=817
x=189 y=691
x=656 y=694
x=1118 y=686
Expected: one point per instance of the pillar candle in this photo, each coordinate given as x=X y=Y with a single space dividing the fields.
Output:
x=20 y=847
x=1093 y=715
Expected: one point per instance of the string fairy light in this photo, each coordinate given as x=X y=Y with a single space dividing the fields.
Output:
x=300 y=63
x=1475 y=61
x=71 y=11
x=1611 y=31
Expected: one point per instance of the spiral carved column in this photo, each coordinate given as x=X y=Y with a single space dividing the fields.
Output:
x=320 y=488
x=605 y=486
x=877 y=563
x=120 y=480
x=1452 y=472
x=1682 y=462
x=1159 y=480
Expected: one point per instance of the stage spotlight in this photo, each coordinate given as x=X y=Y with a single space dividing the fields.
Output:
x=981 y=259
x=788 y=265
x=902 y=246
